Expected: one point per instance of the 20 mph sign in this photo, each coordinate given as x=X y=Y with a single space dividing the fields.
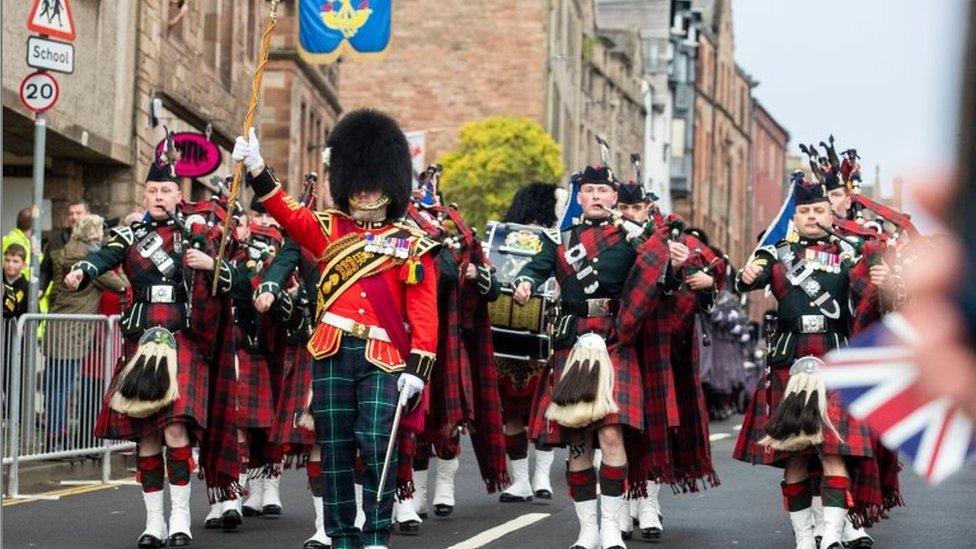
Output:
x=39 y=91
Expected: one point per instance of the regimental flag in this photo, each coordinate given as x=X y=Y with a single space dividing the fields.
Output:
x=573 y=211
x=328 y=29
x=780 y=226
x=877 y=380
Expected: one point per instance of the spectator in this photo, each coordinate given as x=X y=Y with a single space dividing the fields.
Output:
x=15 y=285
x=15 y=288
x=66 y=343
x=21 y=235
x=58 y=241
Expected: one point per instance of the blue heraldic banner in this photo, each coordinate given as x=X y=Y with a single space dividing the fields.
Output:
x=328 y=29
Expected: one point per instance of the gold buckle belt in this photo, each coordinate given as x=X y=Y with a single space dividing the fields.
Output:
x=356 y=329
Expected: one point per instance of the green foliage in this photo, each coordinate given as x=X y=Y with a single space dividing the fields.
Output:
x=496 y=157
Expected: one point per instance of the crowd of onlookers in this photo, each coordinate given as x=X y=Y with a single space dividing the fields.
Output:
x=72 y=351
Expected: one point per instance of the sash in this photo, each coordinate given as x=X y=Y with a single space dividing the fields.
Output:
x=379 y=294
x=349 y=263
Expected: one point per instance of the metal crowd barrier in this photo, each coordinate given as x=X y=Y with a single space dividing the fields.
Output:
x=56 y=369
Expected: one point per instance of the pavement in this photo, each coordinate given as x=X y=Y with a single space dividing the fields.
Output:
x=744 y=512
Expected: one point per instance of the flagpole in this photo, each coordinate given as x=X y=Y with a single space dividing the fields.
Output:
x=252 y=108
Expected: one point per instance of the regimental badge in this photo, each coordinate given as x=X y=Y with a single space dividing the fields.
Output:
x=522 y=242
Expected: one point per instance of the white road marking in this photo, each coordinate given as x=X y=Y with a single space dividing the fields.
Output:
x=492 y=534
x=719 y=436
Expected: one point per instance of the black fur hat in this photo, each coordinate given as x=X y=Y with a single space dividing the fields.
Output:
x=534 y=203
x=368 y=152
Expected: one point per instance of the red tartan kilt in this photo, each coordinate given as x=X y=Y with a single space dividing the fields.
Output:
x=855 y=438
x=517 y=398
x=190 y=408
x=628 y=389
x=255 y=403
x=297 y=369
x=872 y=468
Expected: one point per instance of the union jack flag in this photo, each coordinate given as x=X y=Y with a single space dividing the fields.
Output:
x=877 y=381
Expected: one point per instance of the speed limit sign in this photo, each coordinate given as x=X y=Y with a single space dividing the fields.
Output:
x=39 y=91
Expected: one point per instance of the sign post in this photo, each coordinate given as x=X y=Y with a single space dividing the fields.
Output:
x=40 y=138
x=38 y=92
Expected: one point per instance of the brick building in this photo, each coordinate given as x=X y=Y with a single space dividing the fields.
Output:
x=197 y=62
x=541 y=59
x=722 y=126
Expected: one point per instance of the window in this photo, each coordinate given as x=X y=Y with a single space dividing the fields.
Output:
x=678 y=137
x=178 y=10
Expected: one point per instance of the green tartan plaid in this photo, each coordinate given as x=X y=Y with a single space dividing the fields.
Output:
x=354 y=403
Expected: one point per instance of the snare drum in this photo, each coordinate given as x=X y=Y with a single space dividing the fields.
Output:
x=519 y=332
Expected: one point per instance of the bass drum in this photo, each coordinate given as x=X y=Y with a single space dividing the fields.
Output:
x=519 y=332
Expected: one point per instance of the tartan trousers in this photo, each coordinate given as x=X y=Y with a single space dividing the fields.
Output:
x=354 y=403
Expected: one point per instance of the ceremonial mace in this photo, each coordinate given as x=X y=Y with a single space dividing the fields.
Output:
x=252 y=108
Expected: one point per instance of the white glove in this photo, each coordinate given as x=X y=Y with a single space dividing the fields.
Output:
x=249 y=150
x=409 y=386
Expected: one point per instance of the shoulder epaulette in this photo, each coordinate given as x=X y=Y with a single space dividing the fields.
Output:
x=325 y=221
x=771 y=249
x=123 y=232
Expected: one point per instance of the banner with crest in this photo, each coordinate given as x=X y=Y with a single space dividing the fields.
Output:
x=329 y=29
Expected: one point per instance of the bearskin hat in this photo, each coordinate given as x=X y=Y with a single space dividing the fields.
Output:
x=533 y=204
x=368 y=152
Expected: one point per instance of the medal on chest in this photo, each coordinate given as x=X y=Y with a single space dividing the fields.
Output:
x=823 y=261
x=387 y=245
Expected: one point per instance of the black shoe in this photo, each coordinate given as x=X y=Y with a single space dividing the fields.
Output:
x=313 y=544
x=250 y=511
x=422 y=515
x=860 y=543
x=179 y=539
x=274 y=510
x=651 y=533
x=627 y=535
x=231 y=519
x=443 y=510
x=509 y=498
x=409 y=528
x=213 y=523
x=149 y=540
x=543 y=494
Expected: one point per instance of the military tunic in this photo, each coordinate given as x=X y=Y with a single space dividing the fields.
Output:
x=810 y=324
x=588 y=300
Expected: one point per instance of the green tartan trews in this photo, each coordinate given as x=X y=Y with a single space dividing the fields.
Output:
x=354 y=403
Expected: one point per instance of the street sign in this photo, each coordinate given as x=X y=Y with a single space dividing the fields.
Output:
x=39 y=91
x=53 y=18
x=50 y=54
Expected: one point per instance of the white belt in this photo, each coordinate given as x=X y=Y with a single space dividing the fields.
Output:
x=348 y=325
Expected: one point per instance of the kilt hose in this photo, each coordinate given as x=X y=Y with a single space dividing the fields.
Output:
x=628 y=392
x=353 y=403
x=285 y=431
x=190 y=408
x=872 y=468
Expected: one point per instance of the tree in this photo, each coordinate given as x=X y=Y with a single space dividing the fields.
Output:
x=496 y=157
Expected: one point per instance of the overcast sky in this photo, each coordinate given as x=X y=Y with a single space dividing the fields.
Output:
x=881 y=75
